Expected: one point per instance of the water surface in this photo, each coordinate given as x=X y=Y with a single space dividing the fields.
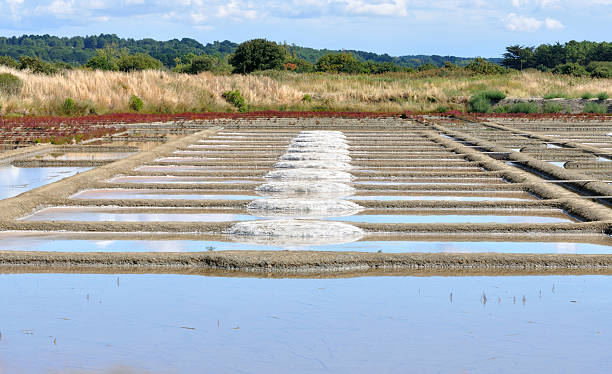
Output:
x=15 y=181
x=179 y=324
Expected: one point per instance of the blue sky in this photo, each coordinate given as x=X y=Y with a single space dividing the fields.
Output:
x=397 y=27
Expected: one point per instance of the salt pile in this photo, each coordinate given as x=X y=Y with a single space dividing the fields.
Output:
x=311 y=173
x=313 y=164
x=304 y=156
x=301 y=206
x=294 y=232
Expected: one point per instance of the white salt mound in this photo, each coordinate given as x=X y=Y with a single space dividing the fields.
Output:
x=313 y=164
x=294 y=232
x=339 y=145
x=301 y=206
x=304 y=156
x=312 y=189
x=332 y=150
x=310 y=174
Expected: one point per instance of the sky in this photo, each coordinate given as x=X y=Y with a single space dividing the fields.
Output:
x=397 y=27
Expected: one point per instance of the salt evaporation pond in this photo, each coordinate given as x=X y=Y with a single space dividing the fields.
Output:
x=15 y=181
x=101 y=323
x=67 y=242
x=177 y=180
x=437 y=197
x=451 y=218
x=120 y=214
x=122 y=193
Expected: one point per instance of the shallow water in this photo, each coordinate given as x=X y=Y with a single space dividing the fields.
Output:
x=120 y=193
x=449 y=218
x=14 y=180
x=66 y=242
x=90 y=156
x=178 y=179
x=439 y=197
x=86 y=214
x=179 y=324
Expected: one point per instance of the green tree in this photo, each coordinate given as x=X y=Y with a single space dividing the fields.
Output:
x=36 y=65
x=340 y=63
x=257 y=54
x=137 y=62
x=105 y=59
x=517 y=57
x=571 y=68
x=9 y=61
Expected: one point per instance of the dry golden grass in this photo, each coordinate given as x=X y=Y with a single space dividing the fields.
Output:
x=161 y=91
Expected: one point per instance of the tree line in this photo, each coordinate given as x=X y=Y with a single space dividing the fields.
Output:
x=49 y=54
x=574 y=58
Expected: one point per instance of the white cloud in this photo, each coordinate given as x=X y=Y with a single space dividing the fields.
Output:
x=378 y=8
x=236 y=10
x=553 y=24
x=515 y=22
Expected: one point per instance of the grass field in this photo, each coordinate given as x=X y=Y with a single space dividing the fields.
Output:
x=99 y=92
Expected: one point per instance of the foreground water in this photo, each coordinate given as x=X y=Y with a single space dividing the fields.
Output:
x=184 y=324
x=15 y=181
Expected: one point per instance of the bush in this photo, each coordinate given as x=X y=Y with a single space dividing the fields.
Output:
x=587 y=96
x=307 y=98
x=481 y=102
x=136 y=103
x=571 y=68
x=340 y=63
x=257 y=54
x=523 y=108
x=481 y=66
x=594 y=108
x=103 y=60
x=10 y=84
x=600 y=69
x=68 y=107
x=603 y=96
x=235 y=98
x=553 y=108
x=36 y=65
x=138 y=62
x=9 y=61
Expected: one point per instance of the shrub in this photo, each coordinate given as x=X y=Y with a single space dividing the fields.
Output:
x=36 y=65
x=523 y=108
x=502 y=109
x=600 y=69
x=136 y=103
x=553 y=108
x=10 y=84
x=69 y=106
x=103 y=60
x=603 y=96
x=307 y=98
x=481 y=102
x=481 y=66
x=9 y=61
x=257 y=54
x=235 y=98
x=137 y=62
x=571 y=68
x=587 y=96
x=340 y=63
x=594 y=108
